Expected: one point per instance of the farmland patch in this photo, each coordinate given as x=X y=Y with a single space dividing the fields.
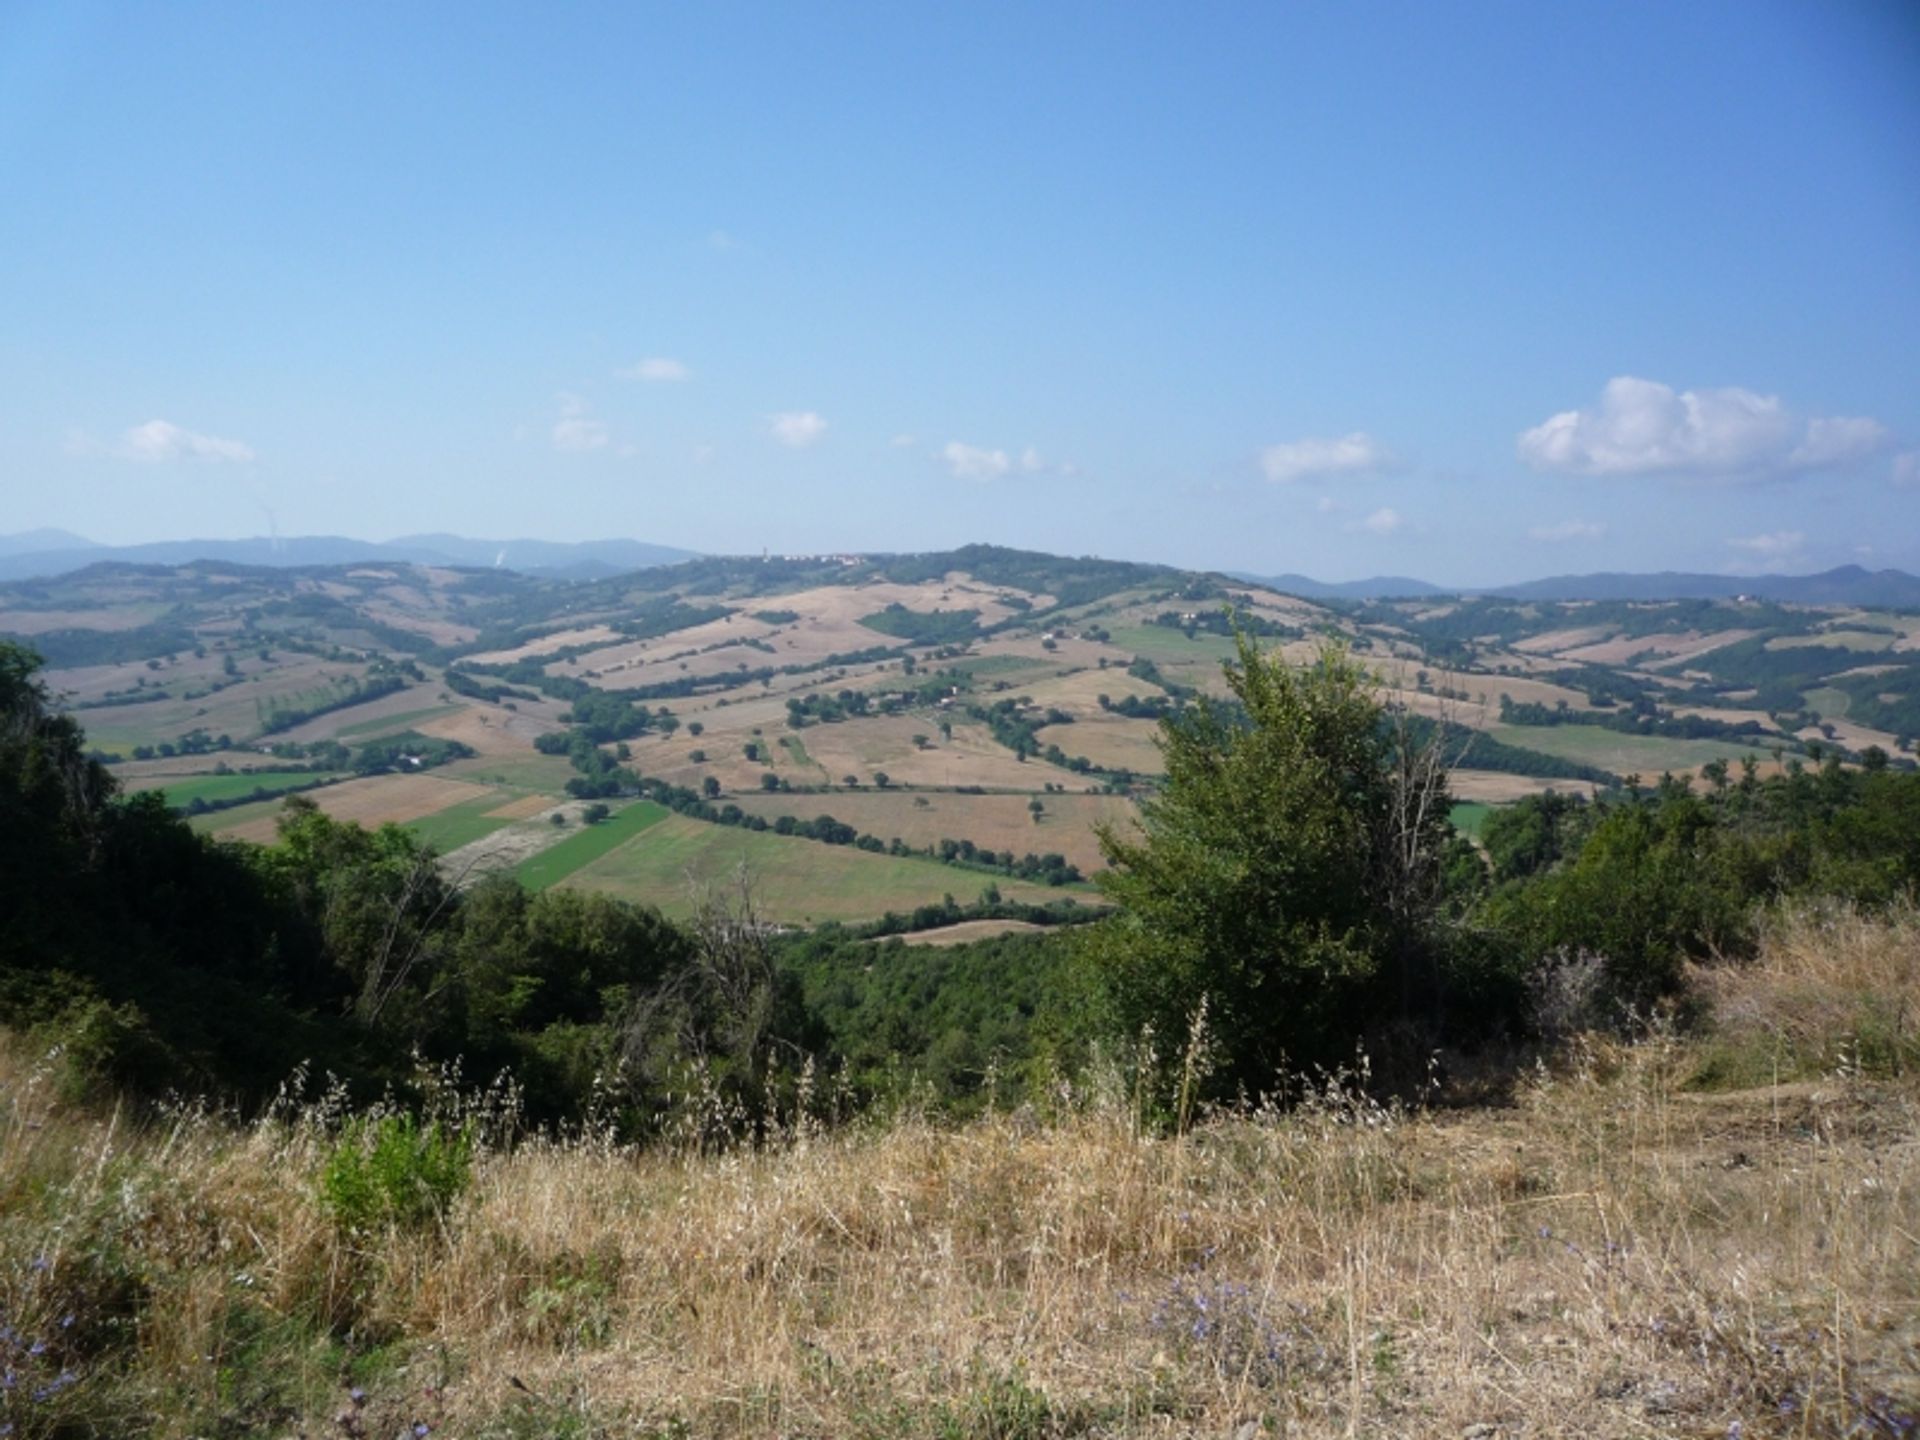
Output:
x=795 y=881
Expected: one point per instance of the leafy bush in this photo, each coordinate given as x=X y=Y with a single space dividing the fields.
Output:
x=392 y=1171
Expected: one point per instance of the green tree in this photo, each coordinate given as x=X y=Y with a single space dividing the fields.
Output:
x=1287 y=872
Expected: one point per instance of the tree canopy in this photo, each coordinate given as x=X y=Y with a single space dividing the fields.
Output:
x=1276 y=873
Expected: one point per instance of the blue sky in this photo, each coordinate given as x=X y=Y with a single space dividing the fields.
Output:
x=1470 y=292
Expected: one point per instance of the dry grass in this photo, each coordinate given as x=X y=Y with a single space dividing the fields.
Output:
x=1833 y=989
x=1609 y=1256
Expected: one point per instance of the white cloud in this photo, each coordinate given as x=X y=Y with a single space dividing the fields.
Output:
x=971 y=462
x=798 y=429
x=1641 y=427
x=1327 y=505
x=1771 y=546
x=655 y=370
x=1906 y=468
x=977 y=462
x=1355 y=454
x=903 y=441
x=721 y=240
x=161 y=440
x=1383 y=521
x=576 y=431
x=1568 y=530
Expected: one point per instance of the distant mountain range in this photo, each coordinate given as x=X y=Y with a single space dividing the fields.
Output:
x=40 y=553
x=1847 y=585
x=1380 y=587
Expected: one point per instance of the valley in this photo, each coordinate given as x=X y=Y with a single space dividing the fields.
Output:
x=868 y=735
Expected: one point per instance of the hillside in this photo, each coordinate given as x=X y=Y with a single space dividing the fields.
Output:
x=1620 y=1249
x=970 y=713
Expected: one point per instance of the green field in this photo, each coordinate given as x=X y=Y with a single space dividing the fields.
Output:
x=1867 y=642
x=794 y=881
x=544 y=774
x=1164 y=646
x=462 y=824
x=587 y=844
x=1468 y=816
x=393 y=724
x=1645 y=755
x=1828 y=702
x=216 y=788
x=978 y=665
x=797 y=752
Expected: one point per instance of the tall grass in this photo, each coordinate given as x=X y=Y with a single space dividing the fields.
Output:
x=1613 y=1254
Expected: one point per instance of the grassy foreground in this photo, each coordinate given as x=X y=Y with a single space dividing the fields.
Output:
x=1611 y=1252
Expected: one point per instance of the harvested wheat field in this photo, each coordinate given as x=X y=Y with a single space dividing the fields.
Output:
x=373 y=800
x=1491 y=787
x=1111 y=741
x=993 y=822
x=1608 y=1254
x=966 y=932
x=494 y=729
x=524 y=808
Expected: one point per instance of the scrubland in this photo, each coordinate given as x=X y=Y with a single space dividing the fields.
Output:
x=1710 y=1229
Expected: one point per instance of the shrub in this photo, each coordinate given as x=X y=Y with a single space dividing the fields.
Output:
x=391 y=1171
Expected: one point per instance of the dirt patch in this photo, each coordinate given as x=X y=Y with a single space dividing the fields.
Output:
x=523 y=808
x=490 y=729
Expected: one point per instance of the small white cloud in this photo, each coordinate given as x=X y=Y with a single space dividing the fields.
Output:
x=1906 y=468
x=655 y=370
x=972 y=462
x=1568 y=530
x=797 y=429
x=1327 y=505
x=576 y=431
x=1641 y=427
x=703 y=454
x=1383 y=521
x=1770 y=546
x=158 y=441
x=903 y=441
x=721 y=240
x=1031 y=462
x=1355 y=454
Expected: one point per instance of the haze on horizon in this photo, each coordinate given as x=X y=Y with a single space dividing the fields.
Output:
x=1469 y=293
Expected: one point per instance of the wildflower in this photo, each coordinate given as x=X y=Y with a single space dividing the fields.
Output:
x=421 y=1430
x=357 y=1395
